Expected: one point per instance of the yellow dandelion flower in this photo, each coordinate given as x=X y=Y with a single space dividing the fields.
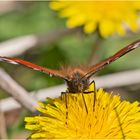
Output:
x=67 y=117
x=108 y=16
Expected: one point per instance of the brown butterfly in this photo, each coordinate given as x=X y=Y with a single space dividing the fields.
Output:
x=77 y=78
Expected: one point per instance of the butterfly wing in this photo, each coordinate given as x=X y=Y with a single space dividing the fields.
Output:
x=51 y=72
x=95 y=68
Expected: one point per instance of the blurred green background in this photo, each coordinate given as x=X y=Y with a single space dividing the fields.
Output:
x=73 y=49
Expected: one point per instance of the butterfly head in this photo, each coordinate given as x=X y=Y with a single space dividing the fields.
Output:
x=77 y=82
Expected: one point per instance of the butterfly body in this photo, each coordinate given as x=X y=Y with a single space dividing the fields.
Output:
x=77 y=79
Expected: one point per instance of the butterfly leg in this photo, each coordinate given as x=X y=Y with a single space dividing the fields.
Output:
x=84 y=102
x=94 y=100
x=94 y=96
x=121 y=129
x=66 y=101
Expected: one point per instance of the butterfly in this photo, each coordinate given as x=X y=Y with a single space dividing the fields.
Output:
x=77 y=78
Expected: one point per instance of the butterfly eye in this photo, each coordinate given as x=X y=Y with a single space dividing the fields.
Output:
x=83 y=81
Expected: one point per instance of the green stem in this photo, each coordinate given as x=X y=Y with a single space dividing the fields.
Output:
x=95 y=48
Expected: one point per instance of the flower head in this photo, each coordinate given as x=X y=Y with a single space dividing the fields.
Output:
x=67 y=117
x=108 y=16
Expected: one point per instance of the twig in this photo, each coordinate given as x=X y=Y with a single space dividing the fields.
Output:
x=119 y=79
x=16 y=91
x=95 y=47
x=10 y=6
x=7 y=6
x=21 y=44
x=113 y=80
x=3 y=132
